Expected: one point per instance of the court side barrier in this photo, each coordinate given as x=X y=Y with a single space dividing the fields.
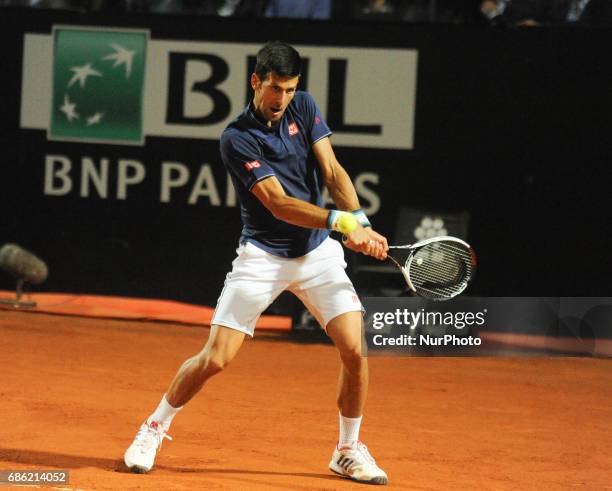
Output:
x=132 y=309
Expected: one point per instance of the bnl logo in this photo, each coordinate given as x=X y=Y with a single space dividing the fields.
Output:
x=98 y=85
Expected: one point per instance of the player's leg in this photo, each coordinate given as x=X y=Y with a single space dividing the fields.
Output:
x=220 y=349
x=351 y=457
x=345 y=332
x=330 y=296
x=222 y=346
x=255 y=281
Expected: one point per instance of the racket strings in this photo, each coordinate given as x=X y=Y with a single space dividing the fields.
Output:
x=441 y=279
x=443 y=271
x=440 y=270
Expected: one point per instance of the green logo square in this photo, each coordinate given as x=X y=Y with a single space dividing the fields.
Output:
x=98 y=85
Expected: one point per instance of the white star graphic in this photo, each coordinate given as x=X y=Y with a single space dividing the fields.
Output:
x=95 y=119
x=81 y=73
x=69 y=109
x=122 y=56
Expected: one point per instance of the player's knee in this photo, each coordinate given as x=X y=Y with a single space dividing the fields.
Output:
x=215 y=365
x=214 y=362
x=352 y=360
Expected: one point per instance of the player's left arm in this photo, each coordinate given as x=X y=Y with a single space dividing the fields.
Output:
x=342 y=190
x=336 y=179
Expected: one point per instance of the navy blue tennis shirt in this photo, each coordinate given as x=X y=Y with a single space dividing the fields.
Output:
x=252 y=151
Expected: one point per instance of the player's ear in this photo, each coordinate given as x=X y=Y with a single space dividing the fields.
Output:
x=254 y=81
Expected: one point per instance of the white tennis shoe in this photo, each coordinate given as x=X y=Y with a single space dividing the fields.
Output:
x=140 y=456
x=356 y=463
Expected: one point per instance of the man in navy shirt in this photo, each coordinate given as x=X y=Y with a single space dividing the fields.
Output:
x=284 y=245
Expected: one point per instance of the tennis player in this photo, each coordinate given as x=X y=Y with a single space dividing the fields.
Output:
x=284 y=245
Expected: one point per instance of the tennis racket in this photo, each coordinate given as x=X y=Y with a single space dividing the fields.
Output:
x=439 y=268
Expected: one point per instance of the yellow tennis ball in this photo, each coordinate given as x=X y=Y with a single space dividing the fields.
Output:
x=347 y=223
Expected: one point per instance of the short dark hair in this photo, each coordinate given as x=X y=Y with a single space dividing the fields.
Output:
x=280 y=58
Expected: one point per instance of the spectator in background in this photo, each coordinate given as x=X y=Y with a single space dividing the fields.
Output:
x=453 y=11
x=493 y=10
x=227 y=7
x=47 y=4
x=299 y=9
x=417 y=11
x=386 y=10
x=423 y=11
x=596 y=13
x=547 y=12
x=240 y=8
x=538 y=12
x=223 y=8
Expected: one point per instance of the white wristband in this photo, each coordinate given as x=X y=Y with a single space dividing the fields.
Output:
x=362 y=218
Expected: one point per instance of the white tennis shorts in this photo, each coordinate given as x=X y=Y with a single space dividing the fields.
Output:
x=258 y=277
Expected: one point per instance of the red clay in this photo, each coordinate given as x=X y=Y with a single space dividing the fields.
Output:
x=74 y=391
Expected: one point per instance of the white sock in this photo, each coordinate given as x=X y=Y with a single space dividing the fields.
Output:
x=349 y=431
x=164 y=414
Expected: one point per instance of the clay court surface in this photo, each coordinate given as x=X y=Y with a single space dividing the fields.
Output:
x=74 y=391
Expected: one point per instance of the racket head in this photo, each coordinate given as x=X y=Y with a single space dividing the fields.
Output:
x=440 y=268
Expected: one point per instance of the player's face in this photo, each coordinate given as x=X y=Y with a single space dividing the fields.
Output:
x=273 y=95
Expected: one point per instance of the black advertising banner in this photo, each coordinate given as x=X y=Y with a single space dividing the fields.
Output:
x=111 y=125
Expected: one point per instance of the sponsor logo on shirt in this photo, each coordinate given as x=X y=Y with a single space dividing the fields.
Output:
x=317 y=120
x=252 y=165
x=293 y=129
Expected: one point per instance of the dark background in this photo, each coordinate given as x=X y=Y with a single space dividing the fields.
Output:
x=512 y=126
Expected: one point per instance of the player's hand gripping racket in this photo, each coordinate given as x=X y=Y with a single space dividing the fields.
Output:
x=438 y=268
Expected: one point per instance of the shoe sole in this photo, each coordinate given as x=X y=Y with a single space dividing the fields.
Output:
x=135 y=469
x=380 y=481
